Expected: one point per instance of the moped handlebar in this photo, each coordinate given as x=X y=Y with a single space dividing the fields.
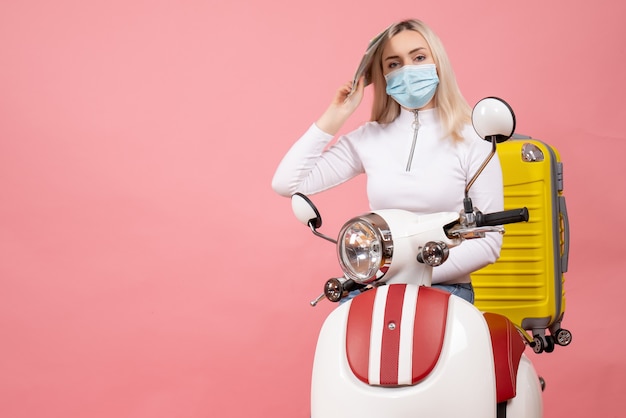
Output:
x=502 y=218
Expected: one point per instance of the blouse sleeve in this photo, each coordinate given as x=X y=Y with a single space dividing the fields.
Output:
x=488 y=196
x=309 y=168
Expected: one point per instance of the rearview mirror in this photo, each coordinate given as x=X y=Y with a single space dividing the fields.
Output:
x=305 y=211
x=493 y=118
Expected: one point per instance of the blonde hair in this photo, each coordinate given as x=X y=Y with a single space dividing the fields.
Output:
x=450 y=103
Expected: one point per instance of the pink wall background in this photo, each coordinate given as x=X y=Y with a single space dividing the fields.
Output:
x=146 y=267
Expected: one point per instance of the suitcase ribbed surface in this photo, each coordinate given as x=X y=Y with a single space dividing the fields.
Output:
x=526 y=283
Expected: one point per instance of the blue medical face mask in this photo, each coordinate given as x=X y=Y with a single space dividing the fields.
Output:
x=413 y=85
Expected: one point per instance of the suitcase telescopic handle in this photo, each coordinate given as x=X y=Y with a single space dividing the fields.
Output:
x=501 y=218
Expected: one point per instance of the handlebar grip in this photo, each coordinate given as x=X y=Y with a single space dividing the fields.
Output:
x=501 y=218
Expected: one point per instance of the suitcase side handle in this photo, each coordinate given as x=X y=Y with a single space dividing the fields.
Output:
x=565 y=220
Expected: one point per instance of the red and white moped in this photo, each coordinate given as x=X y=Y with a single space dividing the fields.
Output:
x=402 y=349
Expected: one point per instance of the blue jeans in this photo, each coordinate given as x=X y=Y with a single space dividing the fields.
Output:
x=462 y=290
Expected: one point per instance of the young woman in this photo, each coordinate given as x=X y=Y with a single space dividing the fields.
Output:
x=418 y=151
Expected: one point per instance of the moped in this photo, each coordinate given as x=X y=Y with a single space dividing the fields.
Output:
x=400 y=348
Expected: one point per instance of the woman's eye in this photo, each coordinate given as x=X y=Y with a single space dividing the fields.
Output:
x=393 y=65
x=419 y=58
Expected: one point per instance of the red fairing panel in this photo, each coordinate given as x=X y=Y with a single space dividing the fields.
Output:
x=508 y=347
x=403 y=347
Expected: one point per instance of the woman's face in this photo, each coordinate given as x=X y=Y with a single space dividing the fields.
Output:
x=405 y=48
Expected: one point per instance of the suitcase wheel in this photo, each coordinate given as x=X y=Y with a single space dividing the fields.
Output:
x=547 y=343
x=563 y=337
x=543 y=343
x=538 y=344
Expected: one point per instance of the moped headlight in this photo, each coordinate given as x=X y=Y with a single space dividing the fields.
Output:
x=365 y=248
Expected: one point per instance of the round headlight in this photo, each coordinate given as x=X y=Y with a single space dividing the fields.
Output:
x=365 y=248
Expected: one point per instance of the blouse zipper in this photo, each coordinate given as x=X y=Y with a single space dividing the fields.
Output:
x=416 y=128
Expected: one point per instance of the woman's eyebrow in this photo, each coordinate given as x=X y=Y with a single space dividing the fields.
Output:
x=413 y=51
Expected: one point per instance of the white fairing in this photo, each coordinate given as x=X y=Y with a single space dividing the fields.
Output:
x=410 y=232
x=528 y=402
x=462 y=384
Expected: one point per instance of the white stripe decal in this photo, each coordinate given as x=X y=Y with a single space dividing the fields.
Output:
x=376 y=335
x=405 y=356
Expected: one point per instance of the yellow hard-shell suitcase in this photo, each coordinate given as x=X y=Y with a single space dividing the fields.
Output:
x=526 y=284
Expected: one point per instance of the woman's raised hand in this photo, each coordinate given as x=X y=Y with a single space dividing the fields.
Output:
x=344 y=103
